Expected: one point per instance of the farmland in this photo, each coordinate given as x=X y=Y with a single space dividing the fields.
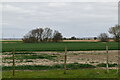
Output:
x=57 y=58
x=8 y=46
x=46 y=60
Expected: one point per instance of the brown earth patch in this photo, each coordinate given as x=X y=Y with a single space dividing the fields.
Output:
x=82 y=57
x=82 y=40
x=7 y=42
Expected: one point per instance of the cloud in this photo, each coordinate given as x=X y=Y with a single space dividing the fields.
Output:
x=92 y=18
x=14 y=9
x=59 y=0
x=56 y=4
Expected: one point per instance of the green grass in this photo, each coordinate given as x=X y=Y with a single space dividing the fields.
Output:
x=41 y=56
x=20 y=53
x=81 y=73
x=71 y=46
x=45 y=67
x=57 y=66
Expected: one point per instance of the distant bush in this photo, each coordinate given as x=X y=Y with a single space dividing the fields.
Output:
x=115 y=31
x=77 y=66
x=42 y=35
x=103 y=37
x=29 y=40
x=29 y=61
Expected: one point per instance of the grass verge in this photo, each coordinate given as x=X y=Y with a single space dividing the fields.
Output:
x=81 y=73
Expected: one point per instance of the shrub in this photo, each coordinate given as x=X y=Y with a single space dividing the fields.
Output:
x=45 y=67
x=103 y=37
x=104 y=65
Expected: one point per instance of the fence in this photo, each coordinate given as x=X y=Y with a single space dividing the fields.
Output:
x=39 y=60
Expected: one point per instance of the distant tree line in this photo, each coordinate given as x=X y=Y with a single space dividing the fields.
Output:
x=75 y=38
x=42 y=35
x=114 y=31
x=49 y=35
x=103 y=37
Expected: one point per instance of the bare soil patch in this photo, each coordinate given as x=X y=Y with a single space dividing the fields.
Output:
x=82 y=40
x=82 y=57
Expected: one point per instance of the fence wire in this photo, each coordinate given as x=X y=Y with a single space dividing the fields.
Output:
x=56 y=60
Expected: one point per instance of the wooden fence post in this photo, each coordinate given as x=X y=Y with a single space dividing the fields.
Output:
x=65 y=60
x=13 y=62
x=118 y=66
x=107 y=61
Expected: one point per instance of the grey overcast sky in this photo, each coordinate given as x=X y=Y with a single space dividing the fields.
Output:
x=80 y=19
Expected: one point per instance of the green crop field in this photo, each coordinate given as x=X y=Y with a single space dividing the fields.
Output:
x=74 y=70
x=81 y=73
x=71 y=46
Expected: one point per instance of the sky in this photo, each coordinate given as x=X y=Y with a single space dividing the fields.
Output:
x=80 y=19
